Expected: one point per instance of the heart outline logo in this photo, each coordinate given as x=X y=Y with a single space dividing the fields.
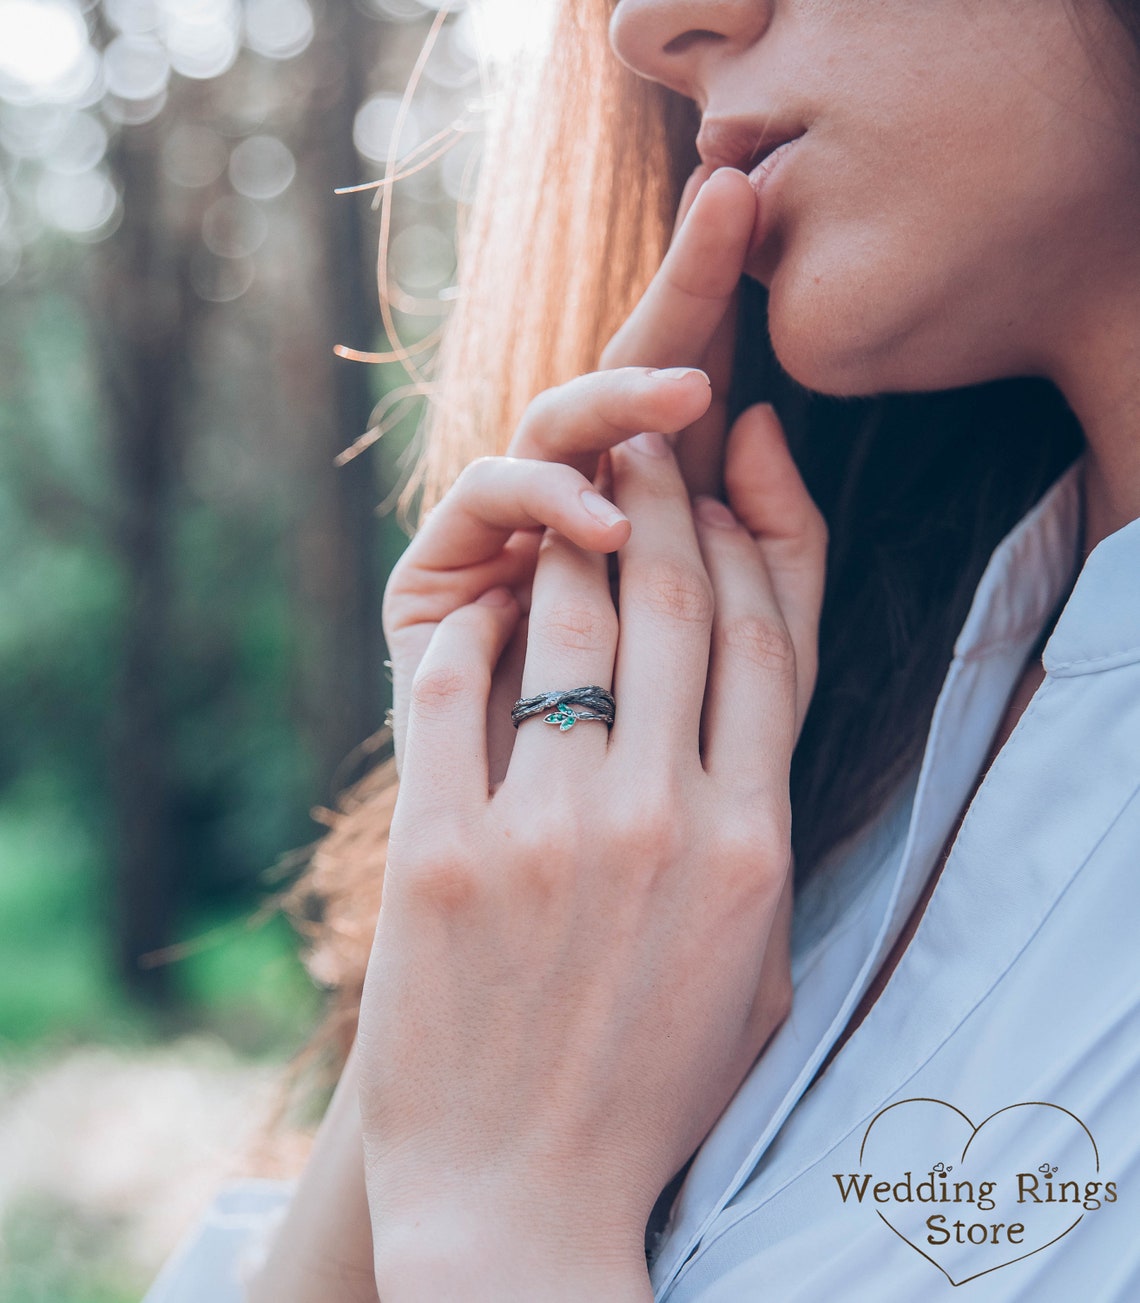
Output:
x=975 y=1129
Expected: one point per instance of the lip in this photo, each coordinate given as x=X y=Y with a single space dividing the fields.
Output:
x=758 y=146
x=764 y=179
x=745 y=143
x=770 y=162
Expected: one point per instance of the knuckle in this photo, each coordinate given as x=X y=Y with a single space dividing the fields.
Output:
x=538 y=413
x=473 y=474
x=675 y=589
x=753 y=846
x=431 y=863
x=652 y=833
x=760 y=640
x=443 y=882
x=578 y=626
x=400 y=600
x=544 y=851
x=437 y=688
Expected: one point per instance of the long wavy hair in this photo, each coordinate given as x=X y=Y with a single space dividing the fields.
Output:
x=578 y=187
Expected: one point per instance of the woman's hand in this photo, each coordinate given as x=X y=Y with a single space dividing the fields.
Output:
x=566 y=982
x=684 y=320
x=687 y=317
x=486 y=530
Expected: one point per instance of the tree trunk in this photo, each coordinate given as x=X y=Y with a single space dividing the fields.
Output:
x=339 y=543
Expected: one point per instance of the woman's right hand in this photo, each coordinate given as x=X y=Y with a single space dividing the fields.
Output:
x=685 y=319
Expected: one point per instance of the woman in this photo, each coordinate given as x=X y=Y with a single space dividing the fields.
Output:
x=595 y=1033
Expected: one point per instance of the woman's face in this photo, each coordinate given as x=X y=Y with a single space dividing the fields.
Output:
x=963 y=196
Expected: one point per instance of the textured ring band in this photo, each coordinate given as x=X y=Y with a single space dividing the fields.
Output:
x=593 y=696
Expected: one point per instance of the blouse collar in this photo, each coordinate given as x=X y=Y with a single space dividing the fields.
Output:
x=1033 y=568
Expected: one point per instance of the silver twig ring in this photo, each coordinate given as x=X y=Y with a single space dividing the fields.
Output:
x=600 y=701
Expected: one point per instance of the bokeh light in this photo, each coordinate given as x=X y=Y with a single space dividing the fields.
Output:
x=132 y=112
x=132 y=17
x=278 y=29
x=234 y=227
x=396 y=11
x=80 y=147
x=507 y=30
x=459 y=168
x=220 y=280
x=85 y=206
x=374 y=124
x=43 y=49
x=194 y=155
x=453 y=60
x=136 y=67
x=262 y=167
x=32 y=131
x=201 y=36
x=421 y=258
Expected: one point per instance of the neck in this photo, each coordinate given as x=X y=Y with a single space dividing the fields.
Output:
x=1100 y=378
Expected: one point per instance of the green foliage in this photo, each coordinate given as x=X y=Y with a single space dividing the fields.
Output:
x=237 y=975
x=54 y=1253
x=54 y=979
x=242 y=775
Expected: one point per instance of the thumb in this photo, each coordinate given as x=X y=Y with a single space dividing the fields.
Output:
x=767 y=494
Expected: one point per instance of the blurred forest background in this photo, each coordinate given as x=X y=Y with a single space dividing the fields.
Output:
x=191 y=658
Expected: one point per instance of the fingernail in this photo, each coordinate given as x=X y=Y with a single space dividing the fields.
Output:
x=601 y=508
x=715 y=513
x=650 y=442
x=496 y=597
x=678 y=373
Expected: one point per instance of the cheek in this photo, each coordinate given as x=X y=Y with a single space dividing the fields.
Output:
x=830 y=310
x=860 y=307
x=950 y=210
x=955 y=270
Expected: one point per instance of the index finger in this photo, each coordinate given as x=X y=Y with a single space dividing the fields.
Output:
x=677 y=316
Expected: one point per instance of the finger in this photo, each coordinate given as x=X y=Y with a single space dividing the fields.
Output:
x=700 y=452
x=665 y=605
x=699 y=175
x=700 y=447
x=749 y=718
x=492 y=498
x=445 y=752
x=766 y=491
x=506 y=689
x=674 y=321
x=575 y=421
x=407 y=642
x=572 y=635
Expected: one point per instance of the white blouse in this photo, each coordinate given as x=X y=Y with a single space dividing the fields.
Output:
x=982 y=1124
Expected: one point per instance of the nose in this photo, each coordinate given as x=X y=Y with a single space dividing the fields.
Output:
x=673 y=41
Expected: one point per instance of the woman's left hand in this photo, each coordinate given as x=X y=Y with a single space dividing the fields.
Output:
x=540 y=1050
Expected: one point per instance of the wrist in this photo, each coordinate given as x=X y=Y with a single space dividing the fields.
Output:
x=460 y=1260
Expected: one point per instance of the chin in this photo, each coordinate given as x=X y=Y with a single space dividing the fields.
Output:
x=823 y=347
x=851 y=331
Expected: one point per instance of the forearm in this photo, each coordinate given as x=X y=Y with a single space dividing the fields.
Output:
x=460 y=1265
x=323 y=1249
